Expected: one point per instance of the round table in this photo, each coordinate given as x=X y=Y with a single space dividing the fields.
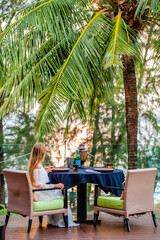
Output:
x=81 y=178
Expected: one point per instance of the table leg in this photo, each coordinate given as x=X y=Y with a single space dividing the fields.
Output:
x=81 y=202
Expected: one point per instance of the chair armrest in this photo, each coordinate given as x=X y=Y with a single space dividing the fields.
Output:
x=43 y=189
x=116 y=188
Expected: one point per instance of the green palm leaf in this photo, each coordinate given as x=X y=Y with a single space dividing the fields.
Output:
x=155 y=7
x=45 y=49
x=50 y=18
x=46 y=62
x=42 y=15
x=119 y=43
x=141 y=7
x=74 y=81
x=152 y=5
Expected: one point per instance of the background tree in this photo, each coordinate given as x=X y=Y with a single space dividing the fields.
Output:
x=18 y=139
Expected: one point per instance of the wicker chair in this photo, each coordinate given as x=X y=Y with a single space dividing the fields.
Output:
x=138 y=197
x=20 y=199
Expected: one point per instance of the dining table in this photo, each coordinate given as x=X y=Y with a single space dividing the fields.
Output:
x=110 y=178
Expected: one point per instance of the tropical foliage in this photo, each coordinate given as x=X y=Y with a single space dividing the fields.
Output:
x=58 y=51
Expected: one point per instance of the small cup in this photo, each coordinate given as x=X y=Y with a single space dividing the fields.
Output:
x=75 y=167
x=109 y=165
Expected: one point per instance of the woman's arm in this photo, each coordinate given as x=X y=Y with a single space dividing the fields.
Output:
x=59 y=185
x=40 y=186
x=50 y=168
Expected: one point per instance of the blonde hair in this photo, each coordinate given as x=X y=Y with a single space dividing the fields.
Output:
x=37 y=156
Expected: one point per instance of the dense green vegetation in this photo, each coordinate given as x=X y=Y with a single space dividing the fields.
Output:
x=18 y=139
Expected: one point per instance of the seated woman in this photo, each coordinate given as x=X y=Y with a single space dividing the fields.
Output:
x=39 y=179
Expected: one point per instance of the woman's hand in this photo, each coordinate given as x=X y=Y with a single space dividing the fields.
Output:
x=59 y=185
x=40 y=186
x=50 y=168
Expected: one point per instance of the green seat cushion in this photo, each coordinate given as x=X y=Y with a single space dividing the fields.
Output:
x=110 y=202
x=48 y=205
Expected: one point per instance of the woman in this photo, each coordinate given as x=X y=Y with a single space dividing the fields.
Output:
x=39 y=179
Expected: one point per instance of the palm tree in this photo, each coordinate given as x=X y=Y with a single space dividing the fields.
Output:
x=65 y=52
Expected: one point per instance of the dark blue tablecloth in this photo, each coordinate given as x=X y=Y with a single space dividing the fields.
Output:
x=71 y=179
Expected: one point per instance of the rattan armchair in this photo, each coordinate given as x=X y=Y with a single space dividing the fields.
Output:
x=20 y=199
x=138 y=197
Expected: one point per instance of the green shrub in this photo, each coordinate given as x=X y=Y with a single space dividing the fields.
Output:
x=3 y=210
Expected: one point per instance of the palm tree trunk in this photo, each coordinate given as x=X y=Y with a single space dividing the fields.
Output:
x=131 y=109
x=2 y=192
x=95 y=138
x=113 y=140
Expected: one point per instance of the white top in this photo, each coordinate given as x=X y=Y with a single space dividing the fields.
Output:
x=41 y=178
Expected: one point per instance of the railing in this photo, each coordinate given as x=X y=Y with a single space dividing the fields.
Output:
x=17 y=157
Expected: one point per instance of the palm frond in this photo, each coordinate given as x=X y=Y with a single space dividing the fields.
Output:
x=45 y=49
x=50 y=18
x=155 y=7
x=119 y=43
x=152 y=5
x=46 y=62
x=74 y=81
x=141 y=5
x=75 y=110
